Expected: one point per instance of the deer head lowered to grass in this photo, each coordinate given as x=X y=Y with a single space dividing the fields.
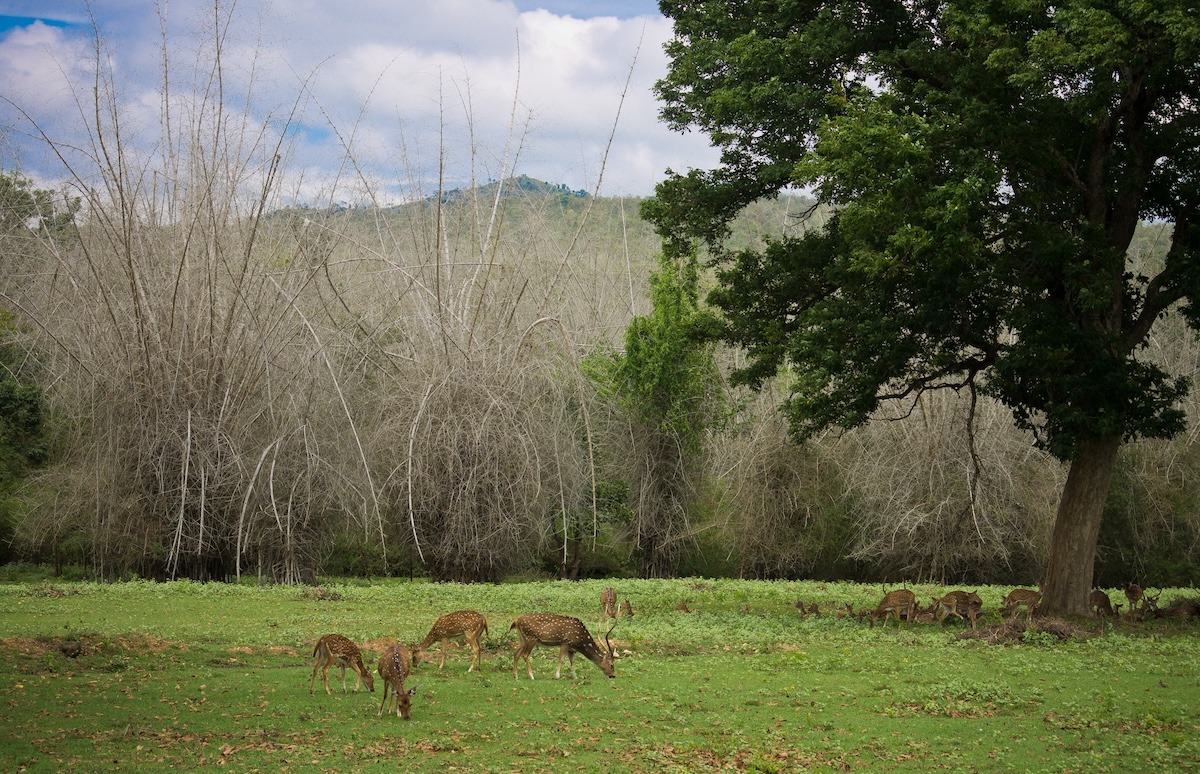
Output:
x=467 y=624
x=902 y=603
x=394 y=667
x=336 y=649
x=569 y=634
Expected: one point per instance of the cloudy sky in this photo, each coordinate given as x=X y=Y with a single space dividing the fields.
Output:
x=490 y=86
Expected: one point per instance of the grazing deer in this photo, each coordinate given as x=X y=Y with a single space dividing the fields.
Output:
x=683 y=607
x=394 y=666
x=568 y=633
x=1018 y=597
x=467 y=624
x=336 y=649
x=626 y=610
x=1101 y=605
x=959 y=603
x=1133 y=593
x=902 y=603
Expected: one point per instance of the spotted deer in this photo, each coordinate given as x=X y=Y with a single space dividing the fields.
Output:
x=966 y=606
x=902 y=603
x=1017 y=598
x=336 y=649
x=608 y=605
x=467 y=624
x=569 y=634
x=394 y=667
x=626 y=610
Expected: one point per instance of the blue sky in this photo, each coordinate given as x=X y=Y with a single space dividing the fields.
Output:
x=521 y=87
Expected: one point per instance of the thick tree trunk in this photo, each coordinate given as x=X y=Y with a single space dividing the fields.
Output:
x=1077 y=528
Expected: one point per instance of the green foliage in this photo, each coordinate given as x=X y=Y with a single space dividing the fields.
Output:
x=23 y=207
x=153 y=684
x=986 y=191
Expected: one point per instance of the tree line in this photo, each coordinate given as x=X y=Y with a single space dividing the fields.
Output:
x=208 y=380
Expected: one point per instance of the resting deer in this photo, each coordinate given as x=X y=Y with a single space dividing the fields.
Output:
x=1018 y=597
x=927 y=614
x=467 y=624
x=569 y=634
x=902 y=603
x=336 y=649
x=394 y=667
x=959 y=603
x=1148 y=607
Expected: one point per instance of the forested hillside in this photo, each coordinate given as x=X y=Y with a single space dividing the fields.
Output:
x=434 y=389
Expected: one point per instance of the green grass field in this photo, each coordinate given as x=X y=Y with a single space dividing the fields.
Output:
x=191 y=676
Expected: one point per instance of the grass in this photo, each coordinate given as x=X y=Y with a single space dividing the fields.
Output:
x=191 y=676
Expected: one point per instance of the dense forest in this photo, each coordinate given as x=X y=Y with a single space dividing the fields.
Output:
x=497 y=383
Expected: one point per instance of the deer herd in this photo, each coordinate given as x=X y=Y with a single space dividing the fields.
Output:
x=571 y=636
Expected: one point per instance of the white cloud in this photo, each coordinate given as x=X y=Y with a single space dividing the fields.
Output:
x=403 y=78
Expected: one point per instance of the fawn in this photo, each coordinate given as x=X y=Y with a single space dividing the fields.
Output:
x=959 y=603
x=336 y=649
x=1018 y=597
x=467 y=624
x=902 y=603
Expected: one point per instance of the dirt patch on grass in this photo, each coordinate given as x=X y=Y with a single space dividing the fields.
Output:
x=87 y=644
x=1016 y=631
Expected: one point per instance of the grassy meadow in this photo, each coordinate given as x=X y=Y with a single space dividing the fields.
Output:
x=191 y=676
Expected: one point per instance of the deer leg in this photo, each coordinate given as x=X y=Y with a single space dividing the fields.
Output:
x=386 y=685
x=473 y=641
x=442 y=650
x=562 y=651
x=313 y=682
x=343 y=665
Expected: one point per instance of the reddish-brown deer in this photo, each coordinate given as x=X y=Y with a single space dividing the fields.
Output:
x=966 y=606
x=1017 y=598
x=467 y=624
x=394 y=667
x=626 y=610
x=569 y=634
x=902 y=603
x=1133 y=593
x=336 y=649
x=1101 y=605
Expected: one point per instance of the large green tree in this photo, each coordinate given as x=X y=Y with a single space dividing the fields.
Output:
x=987 y=163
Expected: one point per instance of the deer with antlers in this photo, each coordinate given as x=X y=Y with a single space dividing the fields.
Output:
x=336 y=649
x=394 y=667
x=569 y=634
x=467 y=624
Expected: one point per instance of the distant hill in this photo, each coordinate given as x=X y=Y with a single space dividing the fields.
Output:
x=521 y=185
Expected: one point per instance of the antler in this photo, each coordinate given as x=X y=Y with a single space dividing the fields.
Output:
x=608 y=644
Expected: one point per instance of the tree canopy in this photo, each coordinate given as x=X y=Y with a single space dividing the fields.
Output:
x=987 y=163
